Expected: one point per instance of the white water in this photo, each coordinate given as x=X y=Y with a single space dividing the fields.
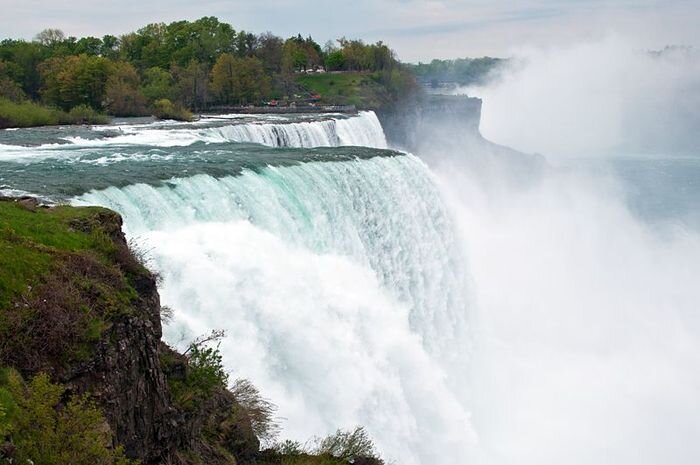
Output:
x=361 y=130
x=342 y=288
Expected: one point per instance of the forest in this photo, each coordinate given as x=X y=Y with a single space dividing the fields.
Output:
x=170 y=69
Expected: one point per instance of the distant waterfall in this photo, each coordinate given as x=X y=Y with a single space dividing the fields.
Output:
x=362 y=129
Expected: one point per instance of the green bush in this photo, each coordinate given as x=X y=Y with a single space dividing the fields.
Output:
x=26 y=114
x=206 y=368
x=165 y=109
x=259 y=410
x=204 y=371
x=83 y=114
x=46 y=431
x=348 y=445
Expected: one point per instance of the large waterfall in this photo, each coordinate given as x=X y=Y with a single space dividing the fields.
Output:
x=342 y=287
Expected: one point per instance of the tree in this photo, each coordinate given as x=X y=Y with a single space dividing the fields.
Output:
x=157 y=84
x=240 y=80
x=74 y=80
x=122 y=94
x=50 y=37
x=269 y=51
x=88 y=45
x=192 y=84
x=335 y=61
x=22 y=59
x=110 y=47
x=9 y=89
x=225 y=78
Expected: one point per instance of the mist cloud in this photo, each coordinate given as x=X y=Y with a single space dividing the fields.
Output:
x=601 y=97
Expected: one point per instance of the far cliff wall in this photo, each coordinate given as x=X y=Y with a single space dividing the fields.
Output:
x=409 y=123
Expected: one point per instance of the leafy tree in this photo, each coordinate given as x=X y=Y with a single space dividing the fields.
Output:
x=23 y=59
x=241 y=80
x=88 y=45
x=157 y=84
x=192 y=84
x=110 y=47
x=269 y=51
x=74 y=80
x=9 y=89
x=225 y=78
x=335 y=61
x=245 y=44
x=122 y=94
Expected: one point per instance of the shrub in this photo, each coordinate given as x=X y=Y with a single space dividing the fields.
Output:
x=206 y=368
x=348 y=444
x=83 y=114
x=259 y=410
x=204 y=371
x=165 y=109
x=46 y=431
x=26 y=114
x=289 y=447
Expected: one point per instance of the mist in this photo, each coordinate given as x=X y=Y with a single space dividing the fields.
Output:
x=596 y=98
x=586 y=327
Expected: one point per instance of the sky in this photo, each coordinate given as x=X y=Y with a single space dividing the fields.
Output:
x=418 y=30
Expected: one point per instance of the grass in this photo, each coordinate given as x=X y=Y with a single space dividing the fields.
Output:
x=27 y=239
x=63 y=277
x=348 y=88
x=29 y=114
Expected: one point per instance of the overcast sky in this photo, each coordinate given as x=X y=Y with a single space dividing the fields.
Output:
x=416 y=29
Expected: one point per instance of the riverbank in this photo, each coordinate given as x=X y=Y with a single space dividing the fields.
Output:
x=28 y=114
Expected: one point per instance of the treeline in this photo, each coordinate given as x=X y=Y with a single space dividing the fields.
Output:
x=187 y=64
x=461 y=70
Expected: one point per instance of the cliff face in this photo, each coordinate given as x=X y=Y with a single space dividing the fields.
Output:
x=444 y=131
x=437 y=117
x=88 y=269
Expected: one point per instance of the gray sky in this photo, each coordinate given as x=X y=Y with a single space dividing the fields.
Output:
x=416 y=29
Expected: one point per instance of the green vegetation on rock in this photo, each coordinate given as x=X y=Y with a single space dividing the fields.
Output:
x=365 y=90
x=464 y=71
x=46 y=429
x=62 y=278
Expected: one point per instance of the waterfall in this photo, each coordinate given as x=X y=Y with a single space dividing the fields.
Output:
x=341 y=284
